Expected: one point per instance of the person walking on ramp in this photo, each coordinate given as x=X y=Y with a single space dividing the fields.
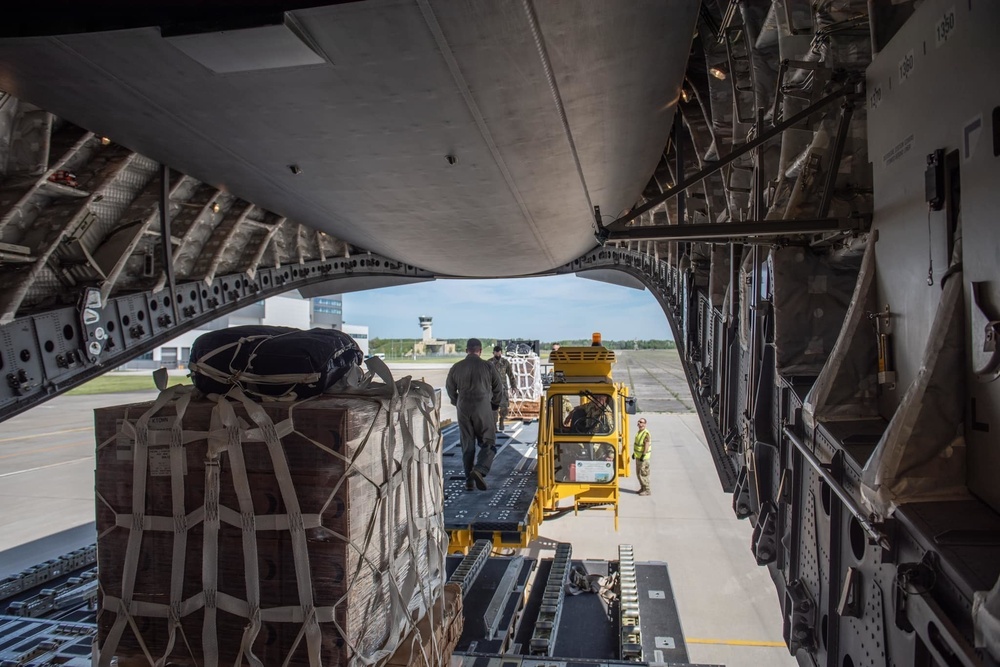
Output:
x=506 y=373
x=475 y=388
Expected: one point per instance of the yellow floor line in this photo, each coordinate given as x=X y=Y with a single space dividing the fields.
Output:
x=735 y=642
x=32 y=436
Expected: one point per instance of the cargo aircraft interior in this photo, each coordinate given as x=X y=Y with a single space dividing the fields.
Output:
x=808 y=189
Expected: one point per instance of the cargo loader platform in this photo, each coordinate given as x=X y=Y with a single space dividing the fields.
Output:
x=508 y=513
x=518 y=612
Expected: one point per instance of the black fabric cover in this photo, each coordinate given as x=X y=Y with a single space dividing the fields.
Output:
x=289 y=351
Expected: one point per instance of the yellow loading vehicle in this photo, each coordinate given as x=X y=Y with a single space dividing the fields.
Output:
x=583 y=433
x=583 y=448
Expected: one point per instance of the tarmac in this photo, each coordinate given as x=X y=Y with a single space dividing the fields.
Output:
x=729 y=610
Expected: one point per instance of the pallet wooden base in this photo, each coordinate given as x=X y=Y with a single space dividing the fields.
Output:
x=524 y=409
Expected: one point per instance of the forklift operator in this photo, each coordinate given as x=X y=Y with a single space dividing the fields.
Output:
x=590 y=417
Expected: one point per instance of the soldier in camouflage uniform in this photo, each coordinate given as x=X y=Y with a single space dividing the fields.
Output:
x=640 y=452
x=590 y=417
x=506 y=374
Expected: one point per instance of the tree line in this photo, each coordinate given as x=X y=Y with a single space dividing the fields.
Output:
x=652 y=344
x=397 y=347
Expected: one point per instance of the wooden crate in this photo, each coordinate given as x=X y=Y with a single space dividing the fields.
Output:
x=349 y=485
x=432 y=641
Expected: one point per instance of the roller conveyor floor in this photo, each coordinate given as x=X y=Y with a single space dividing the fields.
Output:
x=513 y=482
x=587 y=625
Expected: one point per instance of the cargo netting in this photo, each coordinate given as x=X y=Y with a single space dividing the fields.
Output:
x=301 y=532
x=525 y=397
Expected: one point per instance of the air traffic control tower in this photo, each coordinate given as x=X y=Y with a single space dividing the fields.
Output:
x=428 y=345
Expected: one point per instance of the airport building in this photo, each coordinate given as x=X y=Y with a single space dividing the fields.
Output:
x=285 y=310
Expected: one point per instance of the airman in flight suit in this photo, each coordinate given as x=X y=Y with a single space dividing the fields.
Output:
x=475 y=388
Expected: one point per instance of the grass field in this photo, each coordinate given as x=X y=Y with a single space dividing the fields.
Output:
x=448 y=359
x=117 y=384
x=445 y=359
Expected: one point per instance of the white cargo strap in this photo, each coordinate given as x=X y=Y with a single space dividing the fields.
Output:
x=178 y=456
x=387 y=493
x=986 y=619
x=400 y=592
x=237 y=377
x=140 y=433
x=248 y=526
x=380 y=370
x=228 y=433
x=414 y=521
x=300 y=553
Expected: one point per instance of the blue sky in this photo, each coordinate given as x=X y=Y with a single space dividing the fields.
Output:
x=553 y=308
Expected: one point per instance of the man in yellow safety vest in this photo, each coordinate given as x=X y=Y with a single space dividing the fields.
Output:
x=640 y=452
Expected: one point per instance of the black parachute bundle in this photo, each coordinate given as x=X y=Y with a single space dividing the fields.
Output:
x=272 y=361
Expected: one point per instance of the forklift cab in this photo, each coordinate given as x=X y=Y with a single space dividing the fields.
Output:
x=583 y=443
x=581 y=424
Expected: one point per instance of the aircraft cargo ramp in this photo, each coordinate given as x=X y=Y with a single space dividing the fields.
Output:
x=507 y=513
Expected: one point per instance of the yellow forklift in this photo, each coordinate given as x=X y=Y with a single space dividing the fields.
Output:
x=583 y=448
x=583 y=432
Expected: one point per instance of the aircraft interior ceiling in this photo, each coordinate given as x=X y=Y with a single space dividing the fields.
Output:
x=808 y=190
